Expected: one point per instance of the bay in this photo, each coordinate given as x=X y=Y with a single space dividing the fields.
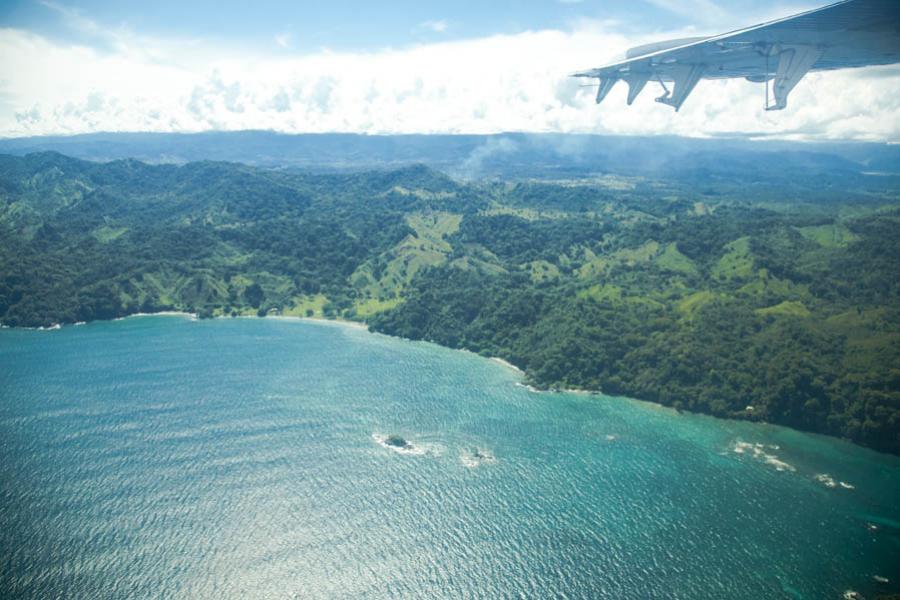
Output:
x=165 y=457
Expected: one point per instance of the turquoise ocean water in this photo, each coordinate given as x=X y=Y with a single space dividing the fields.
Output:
x=160 y=457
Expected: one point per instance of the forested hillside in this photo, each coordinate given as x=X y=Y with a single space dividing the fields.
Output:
x=760 y=299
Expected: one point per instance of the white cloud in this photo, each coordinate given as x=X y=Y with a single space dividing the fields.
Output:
x=439 y=26
x=498 y=83
x=283 y=40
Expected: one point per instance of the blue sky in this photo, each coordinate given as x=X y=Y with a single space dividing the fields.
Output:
x=384 y=67
x=368 y=25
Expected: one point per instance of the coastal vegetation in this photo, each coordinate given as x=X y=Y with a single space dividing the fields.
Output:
x=745 y=298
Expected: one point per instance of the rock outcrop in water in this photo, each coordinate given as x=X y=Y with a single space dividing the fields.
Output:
x=474 y=457
x=395 y=441
x=400 y=444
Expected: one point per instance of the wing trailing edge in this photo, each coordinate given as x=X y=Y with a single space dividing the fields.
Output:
x=847 y=34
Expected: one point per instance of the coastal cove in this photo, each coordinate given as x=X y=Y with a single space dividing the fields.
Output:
x=527 y=383
x=706 y=295
x=233 y=457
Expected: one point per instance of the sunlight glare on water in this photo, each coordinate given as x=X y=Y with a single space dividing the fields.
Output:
x=164 y=457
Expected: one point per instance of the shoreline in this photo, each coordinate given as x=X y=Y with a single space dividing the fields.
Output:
x=162 y=313
x=195 y=317
x=503 y=363
x=318 y=320
x=361 y=326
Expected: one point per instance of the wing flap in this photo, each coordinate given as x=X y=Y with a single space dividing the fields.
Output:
x=636 y=83
x=793 y=64
x=686 y=79
x=606 y=85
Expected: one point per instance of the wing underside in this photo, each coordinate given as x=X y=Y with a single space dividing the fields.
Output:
x=848 y=34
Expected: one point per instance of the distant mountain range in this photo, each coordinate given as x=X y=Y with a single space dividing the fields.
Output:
x=507 y=155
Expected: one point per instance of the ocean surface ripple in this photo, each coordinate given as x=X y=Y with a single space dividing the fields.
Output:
x=253 y=458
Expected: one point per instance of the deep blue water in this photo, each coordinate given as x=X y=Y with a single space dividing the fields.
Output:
x=164 y=457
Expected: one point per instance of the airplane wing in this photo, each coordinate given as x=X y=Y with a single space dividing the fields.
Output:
x=851 y=33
